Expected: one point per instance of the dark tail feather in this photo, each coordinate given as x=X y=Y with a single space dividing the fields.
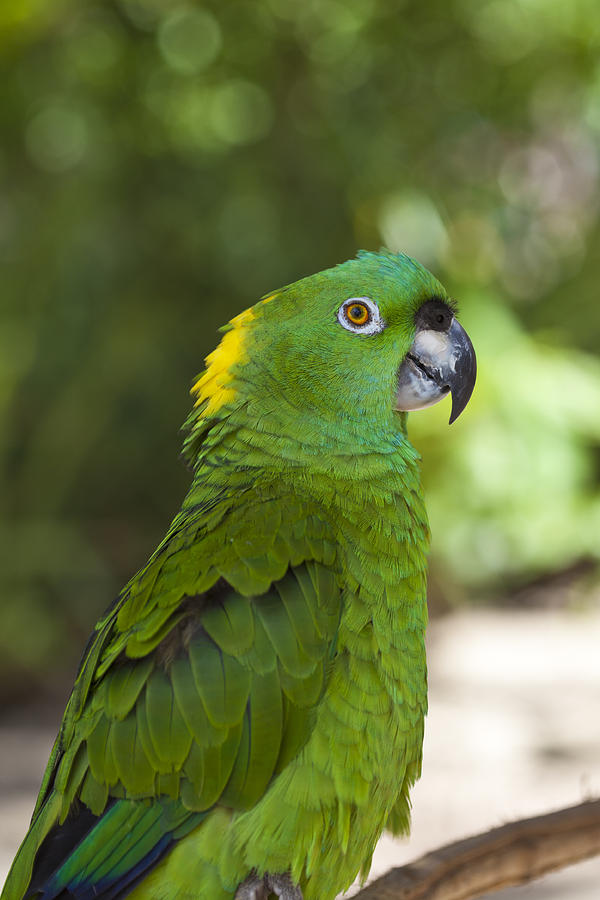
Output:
x=104 y=857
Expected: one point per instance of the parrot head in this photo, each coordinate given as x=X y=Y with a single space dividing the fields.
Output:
x=361 y=343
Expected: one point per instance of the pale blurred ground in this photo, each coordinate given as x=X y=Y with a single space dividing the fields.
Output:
x=513 y=730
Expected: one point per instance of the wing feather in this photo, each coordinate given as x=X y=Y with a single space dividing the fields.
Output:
x=224 y=698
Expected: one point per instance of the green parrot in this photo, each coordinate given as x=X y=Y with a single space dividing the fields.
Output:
x=248 y=715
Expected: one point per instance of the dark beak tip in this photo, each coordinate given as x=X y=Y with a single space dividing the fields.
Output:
x=466 y=372
x=461 y=397
x=454 y=416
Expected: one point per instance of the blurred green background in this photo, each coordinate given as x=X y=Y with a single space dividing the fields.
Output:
x=164 y=164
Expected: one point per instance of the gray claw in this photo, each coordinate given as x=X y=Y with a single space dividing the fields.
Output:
x=283 y=886
x=255 y=888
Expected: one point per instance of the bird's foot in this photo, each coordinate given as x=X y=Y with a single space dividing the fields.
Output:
x=283 y=886
x=255 y=888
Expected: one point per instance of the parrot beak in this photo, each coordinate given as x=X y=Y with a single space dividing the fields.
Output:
x=438 y=362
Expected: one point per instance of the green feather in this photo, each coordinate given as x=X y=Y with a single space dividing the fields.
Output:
x=237 y=793
x=303 y=691
x=261 y=657
x=170 y=737
x=190 y=704
x=195 y=771
x=280 y=630
x=124 y=685
x=94 y=794
x=135 y=770
x=231 y=625
x=101 y=762
x=266 y=721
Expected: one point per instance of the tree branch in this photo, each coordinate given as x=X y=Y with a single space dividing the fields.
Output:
x=506 y=856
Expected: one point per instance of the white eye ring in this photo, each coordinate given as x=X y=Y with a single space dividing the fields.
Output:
x=374 y=323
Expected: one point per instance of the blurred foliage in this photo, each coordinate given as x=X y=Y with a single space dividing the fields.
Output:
x=163 y=164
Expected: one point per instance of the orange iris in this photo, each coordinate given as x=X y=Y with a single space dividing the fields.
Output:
x=357 y=313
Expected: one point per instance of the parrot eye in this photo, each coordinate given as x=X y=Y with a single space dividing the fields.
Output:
x=361 y=315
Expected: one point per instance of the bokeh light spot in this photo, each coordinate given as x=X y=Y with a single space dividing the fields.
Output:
x=505 y=28
x=241 y=112
x=474 y=249
x=95 y=49
x=189 y=40
x=409 y=222
x=56 y=138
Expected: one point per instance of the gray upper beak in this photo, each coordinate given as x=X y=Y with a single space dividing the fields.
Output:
x=438 y=362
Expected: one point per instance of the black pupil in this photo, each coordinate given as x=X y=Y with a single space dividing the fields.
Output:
x=440 y=318
x=357 y=312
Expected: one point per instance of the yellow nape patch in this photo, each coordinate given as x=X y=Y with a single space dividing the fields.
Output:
x=214 y=386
